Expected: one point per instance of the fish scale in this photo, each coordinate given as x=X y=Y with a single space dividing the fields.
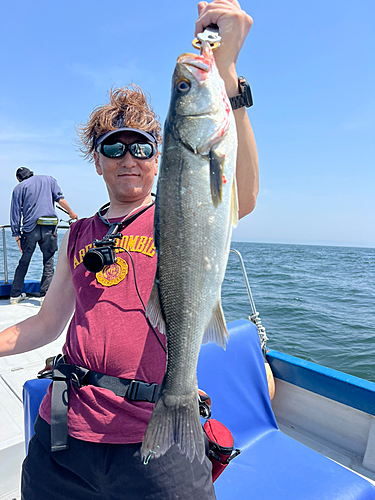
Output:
x=195 y=210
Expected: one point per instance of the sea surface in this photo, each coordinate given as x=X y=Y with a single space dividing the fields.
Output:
x=315 y=302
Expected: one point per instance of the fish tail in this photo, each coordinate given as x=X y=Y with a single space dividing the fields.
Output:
x=177 y=424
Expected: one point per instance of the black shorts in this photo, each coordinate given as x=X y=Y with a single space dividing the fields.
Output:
x=100 y=471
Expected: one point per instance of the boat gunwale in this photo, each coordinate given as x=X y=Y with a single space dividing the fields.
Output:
x=338 y=386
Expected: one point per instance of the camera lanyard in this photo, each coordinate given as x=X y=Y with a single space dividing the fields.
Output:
x=115 y=227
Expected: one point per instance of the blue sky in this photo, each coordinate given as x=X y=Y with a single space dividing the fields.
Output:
x=312 y=73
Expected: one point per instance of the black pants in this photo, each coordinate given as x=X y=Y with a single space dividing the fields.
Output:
x=46 y=238
x=99 y=471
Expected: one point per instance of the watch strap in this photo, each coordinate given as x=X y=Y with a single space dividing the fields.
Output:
x=244 y=99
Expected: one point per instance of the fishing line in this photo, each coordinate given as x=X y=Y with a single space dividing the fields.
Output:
x=140 y=298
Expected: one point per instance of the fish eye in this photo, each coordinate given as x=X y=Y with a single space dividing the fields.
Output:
x=183 y=86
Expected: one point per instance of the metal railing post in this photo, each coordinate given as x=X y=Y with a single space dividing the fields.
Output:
x=254 y=318
x=5 y=256
x=244 y=274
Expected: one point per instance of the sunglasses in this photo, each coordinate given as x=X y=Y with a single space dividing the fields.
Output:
x=139 y=150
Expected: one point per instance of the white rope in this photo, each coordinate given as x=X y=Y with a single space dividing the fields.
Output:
x=254 y=318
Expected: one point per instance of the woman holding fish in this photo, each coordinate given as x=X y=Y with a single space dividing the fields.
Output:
x=88 y=441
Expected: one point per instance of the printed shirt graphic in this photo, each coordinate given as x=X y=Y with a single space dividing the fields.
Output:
x=110 y=334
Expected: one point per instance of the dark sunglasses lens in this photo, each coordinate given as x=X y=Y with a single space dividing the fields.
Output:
x=139 y=150
x=113 y=150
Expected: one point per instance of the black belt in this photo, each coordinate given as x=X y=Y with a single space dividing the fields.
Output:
x=62 y=373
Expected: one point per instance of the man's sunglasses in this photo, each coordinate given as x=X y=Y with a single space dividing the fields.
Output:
x=140 y=150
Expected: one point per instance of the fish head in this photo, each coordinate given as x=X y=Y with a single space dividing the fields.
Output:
x=199 y=113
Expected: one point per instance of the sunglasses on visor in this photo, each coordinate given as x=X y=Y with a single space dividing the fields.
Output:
x=140 y=150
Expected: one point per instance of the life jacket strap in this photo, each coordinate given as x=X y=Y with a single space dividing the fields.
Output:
x=63 y=373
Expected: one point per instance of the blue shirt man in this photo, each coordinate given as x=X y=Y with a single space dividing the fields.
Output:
x=33 y=220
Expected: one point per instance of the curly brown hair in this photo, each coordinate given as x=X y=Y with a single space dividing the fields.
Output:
x=127 y=107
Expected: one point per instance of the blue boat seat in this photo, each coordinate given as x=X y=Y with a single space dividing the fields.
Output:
x=272 y=465
x=33 y=392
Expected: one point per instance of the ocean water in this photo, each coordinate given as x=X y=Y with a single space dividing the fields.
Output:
x=315 y=302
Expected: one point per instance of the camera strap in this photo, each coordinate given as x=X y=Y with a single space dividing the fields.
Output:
x=122 y=224
x=115 y=228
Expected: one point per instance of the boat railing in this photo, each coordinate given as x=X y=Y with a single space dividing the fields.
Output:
x=5 y=253
x=3 y=227
x=254 y=317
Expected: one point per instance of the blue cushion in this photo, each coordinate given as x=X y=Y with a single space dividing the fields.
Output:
x=33 y=393
x=271 y=465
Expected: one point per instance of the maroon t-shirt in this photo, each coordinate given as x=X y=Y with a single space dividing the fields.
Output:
x=109 y=333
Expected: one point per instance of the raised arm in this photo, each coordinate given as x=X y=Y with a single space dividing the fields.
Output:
x=234 y=26
x=53 y=316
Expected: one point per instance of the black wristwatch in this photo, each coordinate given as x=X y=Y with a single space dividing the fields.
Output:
x=244 y=98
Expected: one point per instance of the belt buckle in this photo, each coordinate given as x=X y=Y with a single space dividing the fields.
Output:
x=45 y=373
x=51 y=362
x=75 y=380
x=78 y=376
x=142 y=391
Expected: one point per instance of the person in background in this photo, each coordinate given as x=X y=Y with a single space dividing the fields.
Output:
x=33 y=220
x=88 y=448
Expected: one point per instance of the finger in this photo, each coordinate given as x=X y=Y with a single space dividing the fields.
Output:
x=208 y=16
x=201 y=6
x=233 y=2
x=210 y=13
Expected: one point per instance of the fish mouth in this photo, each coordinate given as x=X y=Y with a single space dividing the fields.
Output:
x=198 y=64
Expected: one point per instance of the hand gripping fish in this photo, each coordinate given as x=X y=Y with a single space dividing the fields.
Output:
x=196 y=207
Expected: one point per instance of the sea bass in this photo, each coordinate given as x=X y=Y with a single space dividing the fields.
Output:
x=196 y=206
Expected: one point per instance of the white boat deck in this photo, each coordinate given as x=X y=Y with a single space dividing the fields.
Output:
x=14 y=372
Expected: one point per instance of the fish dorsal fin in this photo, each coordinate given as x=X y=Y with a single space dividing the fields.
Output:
x=153 y=310
x=216 y=177
x=234 y=204
x=217 y=328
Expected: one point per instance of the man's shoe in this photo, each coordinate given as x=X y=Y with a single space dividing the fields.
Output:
x=15 y=300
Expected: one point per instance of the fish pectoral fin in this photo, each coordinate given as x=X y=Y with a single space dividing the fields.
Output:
x=234 y=204
x=217 y=328
x=153 y=310
x=216 y=177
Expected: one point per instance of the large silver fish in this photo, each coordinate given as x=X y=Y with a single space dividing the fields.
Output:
x=196 y=207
